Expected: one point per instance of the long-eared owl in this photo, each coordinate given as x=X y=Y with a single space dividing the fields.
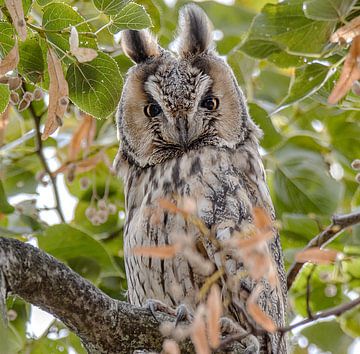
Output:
x=186 y=135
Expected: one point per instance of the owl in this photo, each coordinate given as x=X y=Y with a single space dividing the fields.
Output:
x=186 y=135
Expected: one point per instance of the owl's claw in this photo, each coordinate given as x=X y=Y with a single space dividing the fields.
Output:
x=155 y=305
x=182 y=314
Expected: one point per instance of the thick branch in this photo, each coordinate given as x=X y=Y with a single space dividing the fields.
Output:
x=104 y=325
x=339 y=224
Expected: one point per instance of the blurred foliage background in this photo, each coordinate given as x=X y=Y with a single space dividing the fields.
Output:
x=285 y=63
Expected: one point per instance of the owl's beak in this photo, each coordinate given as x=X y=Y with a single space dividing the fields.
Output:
x=181 y=125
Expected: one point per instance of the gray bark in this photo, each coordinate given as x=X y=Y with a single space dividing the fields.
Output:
x=103 y=324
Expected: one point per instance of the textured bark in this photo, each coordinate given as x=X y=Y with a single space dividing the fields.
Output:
x=104 y=325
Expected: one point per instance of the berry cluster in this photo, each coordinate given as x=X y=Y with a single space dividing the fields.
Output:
x=100 y=214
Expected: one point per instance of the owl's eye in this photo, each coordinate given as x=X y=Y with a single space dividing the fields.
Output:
x=152 y=110
x=210 y=103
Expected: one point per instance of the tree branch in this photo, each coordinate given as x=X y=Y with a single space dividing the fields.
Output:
x=40 y=153
x=104 y=325
x=339 y=224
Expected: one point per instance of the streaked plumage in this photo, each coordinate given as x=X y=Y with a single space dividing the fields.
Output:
x=190 y=149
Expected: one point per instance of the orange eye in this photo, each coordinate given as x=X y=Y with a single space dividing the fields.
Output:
x=152 y=110
x=210 y=103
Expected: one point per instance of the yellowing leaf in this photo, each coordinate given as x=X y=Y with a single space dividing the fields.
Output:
x=16 y=11
x=198 y=332
x=83 y=55
x=58 y=94
x=214 y=312
x=84 y=134
x=316 y=255
x=349 y=74
x=170 y=347
x=11 y=61
x=260 y=317
x=348 y=32
x=162 y=252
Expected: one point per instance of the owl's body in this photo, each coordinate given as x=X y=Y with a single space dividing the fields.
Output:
x=186 y=135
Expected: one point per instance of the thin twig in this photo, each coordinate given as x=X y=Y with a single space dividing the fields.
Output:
x=339 y=224
x=40 y=153
x=335 y=311
x=308 y=291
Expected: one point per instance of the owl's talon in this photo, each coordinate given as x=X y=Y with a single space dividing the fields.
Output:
x=182 y=314
x=157 y=306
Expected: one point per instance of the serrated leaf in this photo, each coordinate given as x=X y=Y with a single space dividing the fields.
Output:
x=31 y=60
x=60 y=17
x=7 y=40
x=302 y=183
x=4 y=97
x=110 y=7
x=132 y=16
x=67 y=243
x=307 y=80
x=95 y=87
x=328 y=10
x=283 y=26
x=5 y=207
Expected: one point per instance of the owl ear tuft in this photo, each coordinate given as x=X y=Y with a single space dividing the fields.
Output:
x=139 y=45
x=195 y=31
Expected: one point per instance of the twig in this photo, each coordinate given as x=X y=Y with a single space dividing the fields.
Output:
x=335 y=311
x=339 y=223
x=308 y=291
x=40 y=153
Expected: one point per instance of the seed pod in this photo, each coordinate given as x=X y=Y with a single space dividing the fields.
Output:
x=112 y=209
x=357 y=178
x=102 y=215
x=90 y=212
x=24 y=104
x=4 y=79
x=14 y=83
x=84 y=183
x=14 y=98
x=38 y=94
x=28 y=96
x=102 y=204
x=356 y=164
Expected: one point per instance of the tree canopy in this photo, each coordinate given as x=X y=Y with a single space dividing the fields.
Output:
x=61 y=75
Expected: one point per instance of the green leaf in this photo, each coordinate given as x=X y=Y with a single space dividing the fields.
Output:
x=302 y=183
x=31 y=60
x=261 y=117
x=350 y=323
x=60 y=17
x=68 y=244
x=110 y=7
x=328 y=10
x=4 y=97
x=307 y=80
x=5 y=207
x=132 y=16
x=7 y=40
x=328 y=337
x=95 y=87
x=283 y=26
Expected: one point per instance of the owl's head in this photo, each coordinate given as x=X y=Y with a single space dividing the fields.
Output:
x=175 y=103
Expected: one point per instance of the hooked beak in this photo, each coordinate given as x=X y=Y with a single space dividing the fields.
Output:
x=181 y=125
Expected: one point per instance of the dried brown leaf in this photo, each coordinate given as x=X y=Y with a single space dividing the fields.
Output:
x=84 y=134
x=198 y=332
x=11 y=61
x=4 y=120
x=348 y=32
x=214 y=312
x=170 y=347
x=349 y=74
x=162 y=252
x=58 y=94
x=83 y=55
x=262 y=219
x=316 y=255
x=16 y=11
x=260 y=317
